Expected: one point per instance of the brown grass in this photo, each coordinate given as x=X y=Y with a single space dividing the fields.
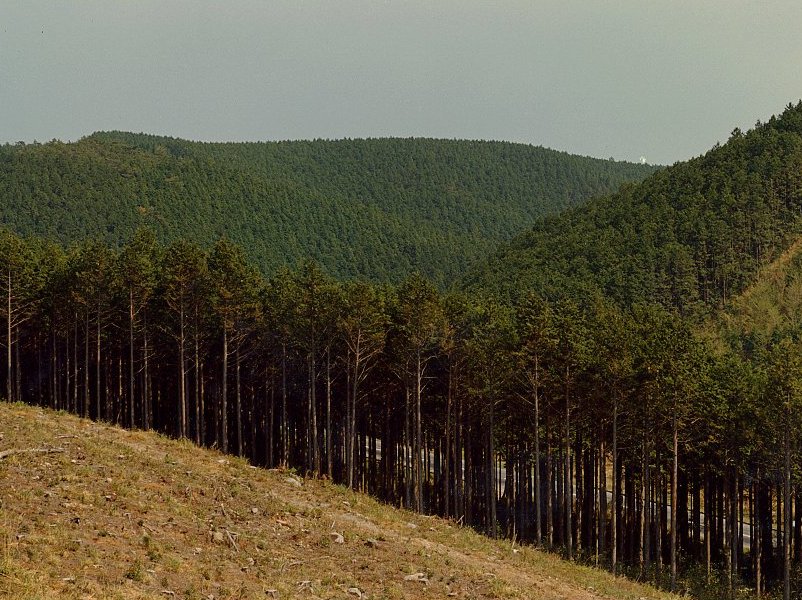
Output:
x=123 y=514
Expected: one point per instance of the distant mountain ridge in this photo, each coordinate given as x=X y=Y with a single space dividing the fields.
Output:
x=690 y=236
x=373 y=208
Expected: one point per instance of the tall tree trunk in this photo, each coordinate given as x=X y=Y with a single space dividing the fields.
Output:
x=352 y=388
x=674 y=503
x=643 y=546
x=568 y=524
x=757 y=532
x=224 y=395
x=616 y=486
x=538 y=523
x=199 y=415
x=131 y=316
x=329 y=436
x=147 y=400
x=709 y=503
x=75 y=400
x=182 y=380
x=285 y=428
x=99 y=415
x=407 y=448
x=549 y=486
x=87 y=399
x=202 y=400
x=313 y=433
x=418 y=476
x=787 y=505
x=446 y=470
x=459 y=471
x=9 y=378
x=601 y=523
x=270 y=425
x=238 y=397
x=68 y=370
x=492 y=486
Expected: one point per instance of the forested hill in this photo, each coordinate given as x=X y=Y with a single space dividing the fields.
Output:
x=377 y=208
x=690 y=236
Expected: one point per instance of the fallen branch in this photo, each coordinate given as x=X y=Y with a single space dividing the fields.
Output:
x=13 y=451
x=232 y=540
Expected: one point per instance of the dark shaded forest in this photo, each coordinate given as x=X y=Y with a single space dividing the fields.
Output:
x=378 y=209
x=565 y=399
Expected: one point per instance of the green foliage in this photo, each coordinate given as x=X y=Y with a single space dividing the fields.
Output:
x=689 y=237
x=377 y=208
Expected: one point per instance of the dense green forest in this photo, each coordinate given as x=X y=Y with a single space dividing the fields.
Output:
x=569 y=425
x=689 y=237
x=585 y=394
x=378 y=208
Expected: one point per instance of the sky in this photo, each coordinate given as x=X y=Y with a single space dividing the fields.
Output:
x=664 y=80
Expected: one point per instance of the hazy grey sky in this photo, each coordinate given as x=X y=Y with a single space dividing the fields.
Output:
x=622 y=78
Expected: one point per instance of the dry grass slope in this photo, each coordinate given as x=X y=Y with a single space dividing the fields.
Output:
x=772 y=303
x=110 y=513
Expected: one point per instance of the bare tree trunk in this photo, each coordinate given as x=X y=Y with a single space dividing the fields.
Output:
x=238 y=397
x=131 y=418
x=568 y=525
x=202 y=399
x=407 y=452
x=614 y=508
x=549 y=486
x=459 y=486
x=757 y=532
x=98 y=414
x=787 y=506
x=601 y=523
x=538 y=524
x=147 y=400
x=75 y=365
x=199 y=416
x=329 y=437
x=224 y=395
x=492 y=485
x=87 y=399
x=285 y=428
x=313 y=434
x=708 y=525
x=446 y=472
x=674 y=503
x=182 y=381
x=350 y=425
x=9 y=379
x=418 y=475
x=270 y=426
x=643 y=550
x=68 y=367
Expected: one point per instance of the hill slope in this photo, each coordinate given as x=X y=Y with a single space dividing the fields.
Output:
x=377 y=208
x=118 y=514
x=766 y=310
x=689 y=236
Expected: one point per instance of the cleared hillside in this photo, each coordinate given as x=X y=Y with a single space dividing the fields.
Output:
x=376 y=208
x=94 y=511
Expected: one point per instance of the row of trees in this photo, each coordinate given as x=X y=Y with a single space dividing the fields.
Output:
x=611 y=435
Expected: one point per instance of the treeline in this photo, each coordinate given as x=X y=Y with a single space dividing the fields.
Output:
x=378 y=209
x=690 y=237
x=611 y=435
